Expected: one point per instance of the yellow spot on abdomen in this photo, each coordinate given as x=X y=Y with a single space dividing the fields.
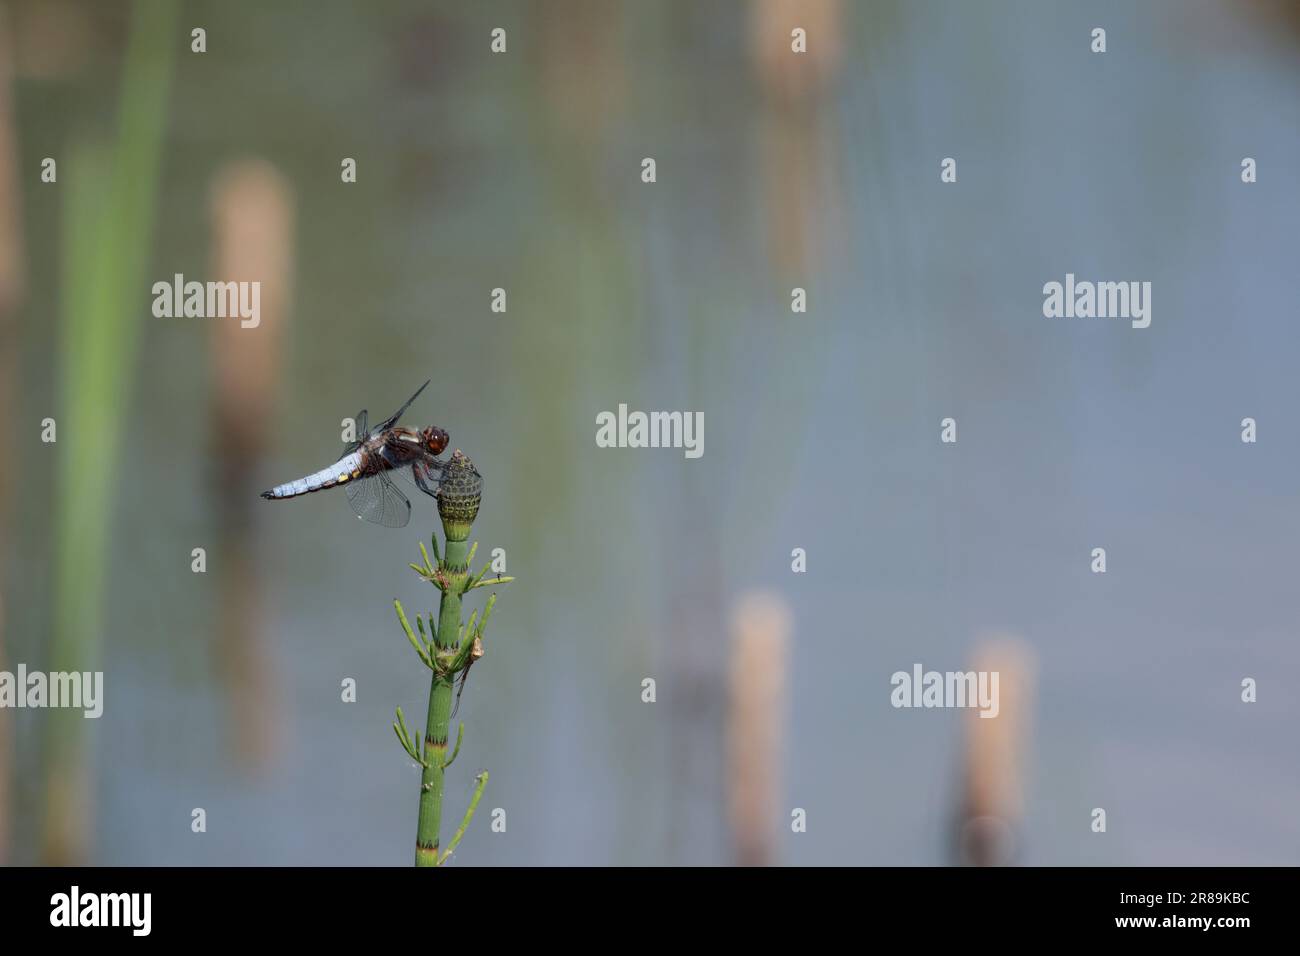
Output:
x=344 y=477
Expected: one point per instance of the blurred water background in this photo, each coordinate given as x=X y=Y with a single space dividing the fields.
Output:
x=522 y=171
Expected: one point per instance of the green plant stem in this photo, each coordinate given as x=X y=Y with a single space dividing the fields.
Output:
x=455 y=571
x=107 y=228
x=469 y=815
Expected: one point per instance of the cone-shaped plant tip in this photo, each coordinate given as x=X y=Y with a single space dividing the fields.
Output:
x=459 y=494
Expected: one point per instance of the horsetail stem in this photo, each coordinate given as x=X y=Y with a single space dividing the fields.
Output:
x=459 y=495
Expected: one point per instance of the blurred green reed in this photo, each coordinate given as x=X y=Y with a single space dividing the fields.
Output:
x=107 y=228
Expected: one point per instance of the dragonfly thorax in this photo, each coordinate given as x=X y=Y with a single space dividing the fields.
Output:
x=406 y=444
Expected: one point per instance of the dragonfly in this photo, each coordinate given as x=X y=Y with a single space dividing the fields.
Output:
x=368 y=464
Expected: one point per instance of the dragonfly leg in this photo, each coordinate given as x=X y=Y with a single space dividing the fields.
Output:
x=422 y=484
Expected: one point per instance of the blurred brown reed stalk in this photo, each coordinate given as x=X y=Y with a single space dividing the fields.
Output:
x=792 y=136
x=253 y=240
x=991 y=803
x=786 y=75
x=11 y=292
x=1279 y=18
x=582 y=71
x=760 y=637
x=55 y=39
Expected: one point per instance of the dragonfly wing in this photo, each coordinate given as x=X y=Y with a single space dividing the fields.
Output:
x=421 y=475
x=398 y=414
x=404 y=473
x=378 y=500
x=360 y=431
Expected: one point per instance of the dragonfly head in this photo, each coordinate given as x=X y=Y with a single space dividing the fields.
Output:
x=435 y=439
